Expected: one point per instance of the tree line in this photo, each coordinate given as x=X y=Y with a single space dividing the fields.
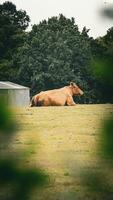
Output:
x=54 y=53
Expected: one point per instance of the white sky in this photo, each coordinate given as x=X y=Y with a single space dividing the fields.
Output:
x=85 y=12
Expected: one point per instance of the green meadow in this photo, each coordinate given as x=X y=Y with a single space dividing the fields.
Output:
x=64 y=143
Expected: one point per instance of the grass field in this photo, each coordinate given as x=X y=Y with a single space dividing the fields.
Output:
x=63 y=142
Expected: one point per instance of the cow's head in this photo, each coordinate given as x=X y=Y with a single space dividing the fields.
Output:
x=75 y=89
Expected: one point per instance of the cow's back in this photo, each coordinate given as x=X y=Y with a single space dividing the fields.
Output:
x=56 y=97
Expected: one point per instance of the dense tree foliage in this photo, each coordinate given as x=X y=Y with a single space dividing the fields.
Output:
x=54 y=53
x=12 y=35
x=102 y=65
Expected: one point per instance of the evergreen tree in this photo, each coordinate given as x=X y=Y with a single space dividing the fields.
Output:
x=13 y=23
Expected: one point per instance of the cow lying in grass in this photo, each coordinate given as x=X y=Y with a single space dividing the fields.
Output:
x=57 y=97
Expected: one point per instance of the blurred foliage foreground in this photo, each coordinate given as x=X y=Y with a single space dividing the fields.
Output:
x=15 y=182
x=98 y=181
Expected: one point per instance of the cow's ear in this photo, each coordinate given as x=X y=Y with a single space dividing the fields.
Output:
x=71 y=84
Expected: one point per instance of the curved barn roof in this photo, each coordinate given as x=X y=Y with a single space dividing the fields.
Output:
x=10 y=85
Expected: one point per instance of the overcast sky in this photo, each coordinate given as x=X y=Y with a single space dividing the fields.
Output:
x=85 y=12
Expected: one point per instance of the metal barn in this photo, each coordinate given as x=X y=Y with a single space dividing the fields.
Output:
x=17 y=95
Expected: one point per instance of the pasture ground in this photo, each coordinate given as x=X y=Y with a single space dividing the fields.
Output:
x=63 y=141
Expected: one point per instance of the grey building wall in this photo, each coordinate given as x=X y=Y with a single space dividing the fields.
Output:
x=16 y=97
x=19 y=97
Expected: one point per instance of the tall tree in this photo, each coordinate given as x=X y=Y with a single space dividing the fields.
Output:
x=13 y=23
x=54 y=54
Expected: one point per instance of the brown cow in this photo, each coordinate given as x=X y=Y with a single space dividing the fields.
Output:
x=57 y=97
